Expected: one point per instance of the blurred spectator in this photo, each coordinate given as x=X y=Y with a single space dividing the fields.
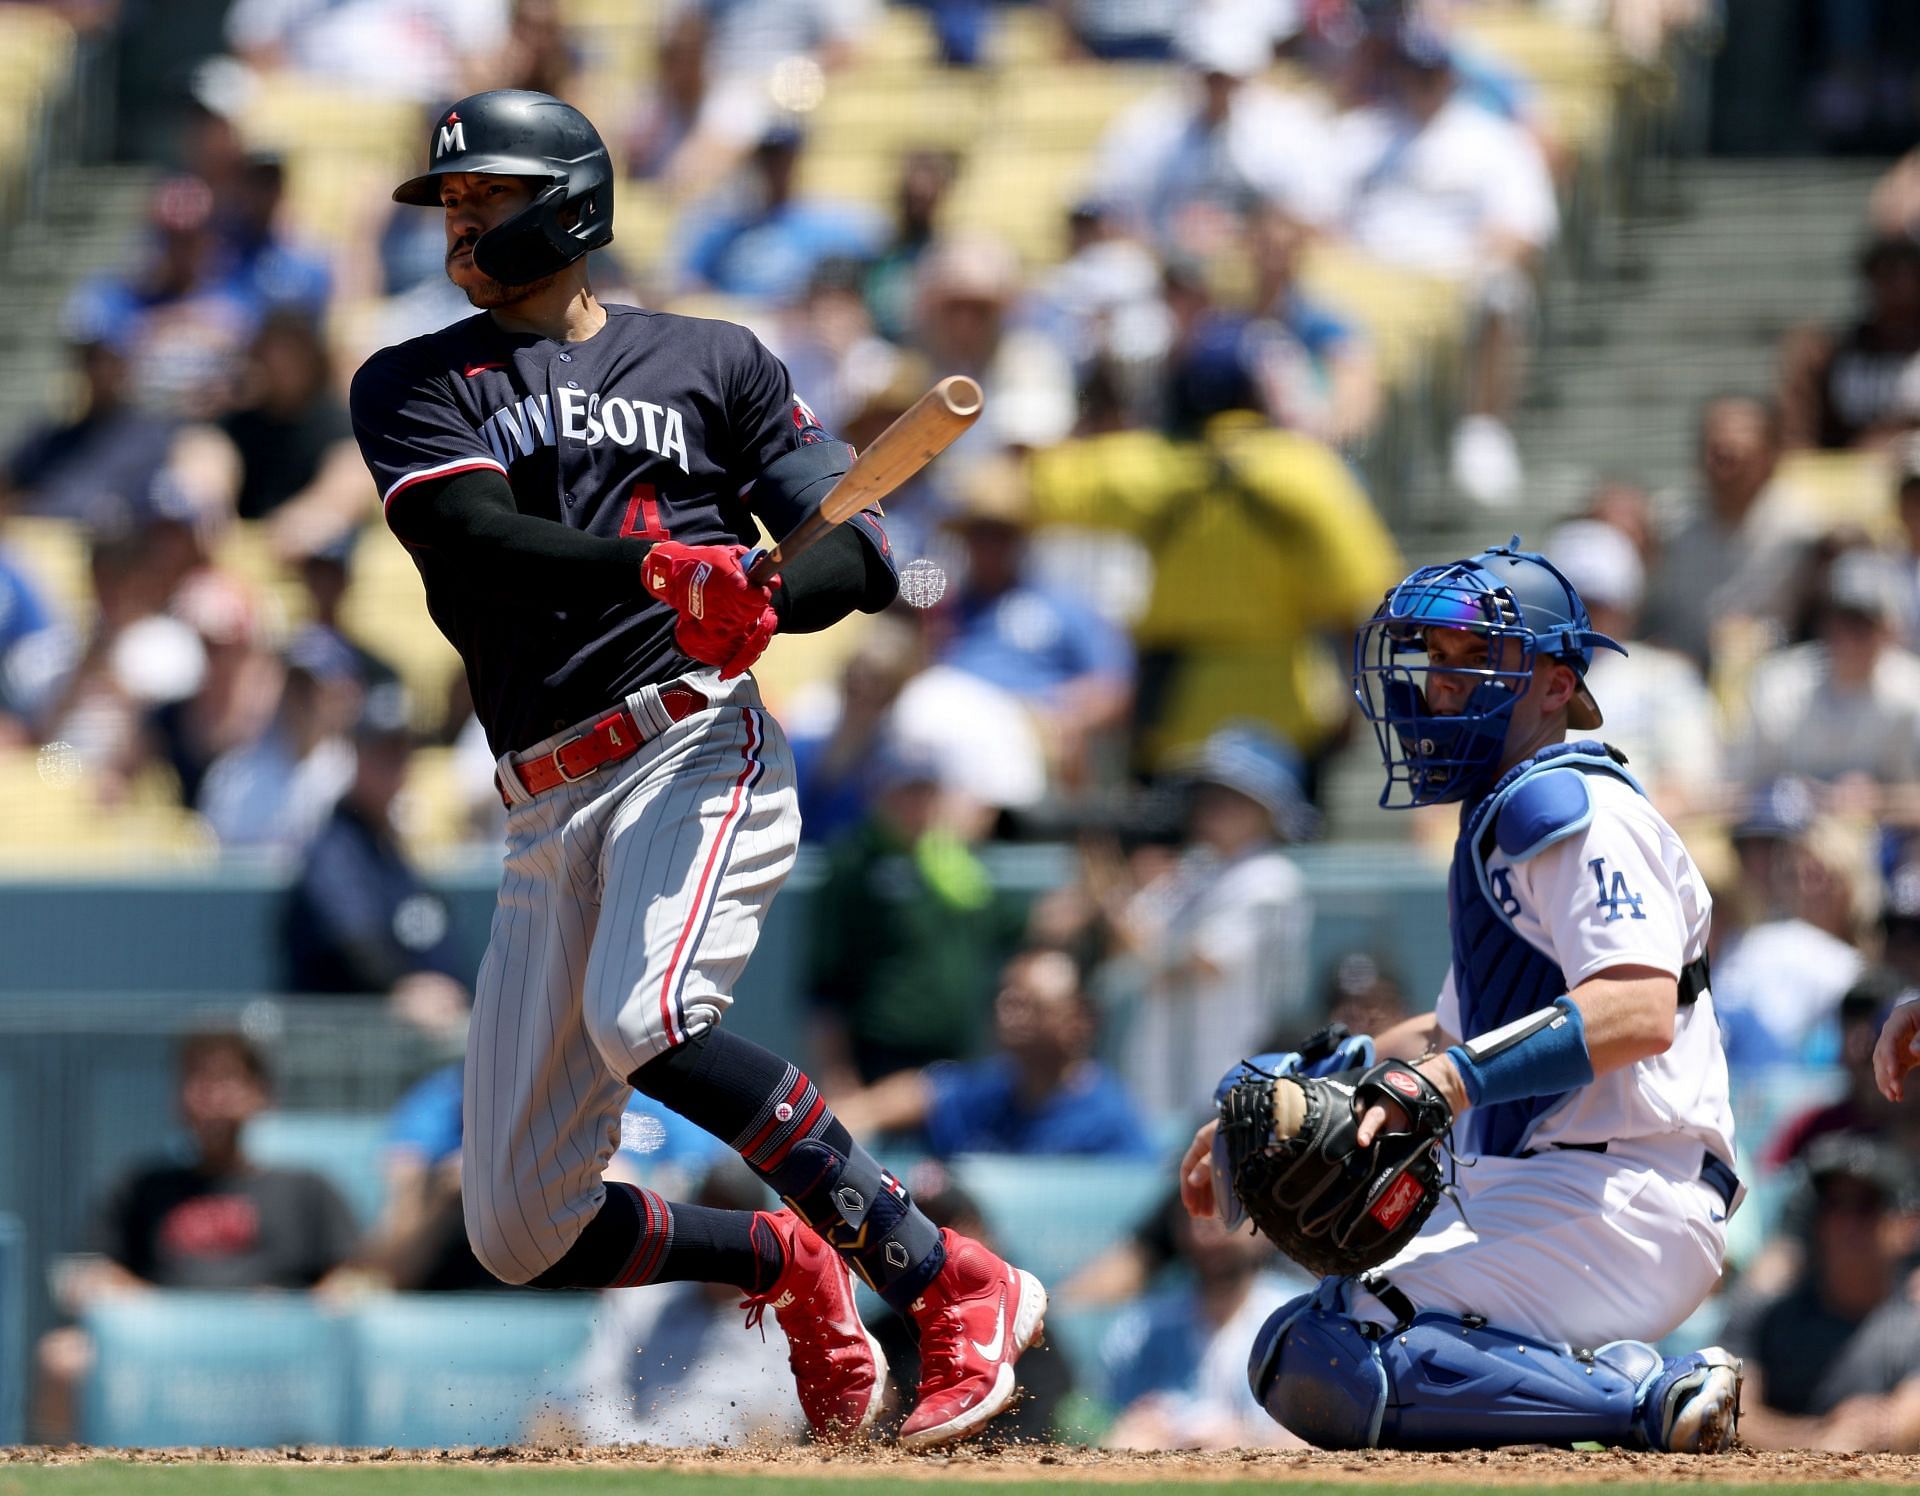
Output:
x=1070 y=667
x=298 y=461
x=93 y=687
x=1852 y=679
x=1625 y=504
x=826 y=340
x=1724 y=571
x=1266 y=556
x=1777 y=979
x=1361 y=996
x=1861 y=1110
x=1316 y=369
x=1222 y=936
x=1861 y=57
x=760 y=239
x=209 y=1218
x=1849 y=387
x=361 y=920
x=670 y=1364
x=1186 y=163
x=238 y=688
x=1046 y=1376
x=419 y=1244
x=1103 y=307
x=274 y=793
x=326 y=574
x=1042 y=1093
x=1658 y=711
x=183 y=325
x=418 y=49
x=759 y=59
x=1140 y=31
x=837 y=745
x=257 y=260
x=1175 y=1366
x=95 y=466
x=1900 y=924
x=907 y=935
x=1833 y=1362
x=536 y=54
x=1435 y=182
x=964 y=299
x=23 y=615
x=670 y=103
x=926 y=178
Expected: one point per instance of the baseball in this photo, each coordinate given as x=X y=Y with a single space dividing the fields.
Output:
x=922 y=583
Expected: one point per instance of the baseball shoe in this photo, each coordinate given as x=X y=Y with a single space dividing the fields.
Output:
x=838 y=1368
x=975 y=1319
x=1693 y=1407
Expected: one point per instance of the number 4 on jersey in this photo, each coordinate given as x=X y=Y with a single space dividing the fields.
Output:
x=642 y=521
x=1615 y=897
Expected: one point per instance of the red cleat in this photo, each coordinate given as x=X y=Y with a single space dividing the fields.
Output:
x=975 y=1319
x=838 y=1368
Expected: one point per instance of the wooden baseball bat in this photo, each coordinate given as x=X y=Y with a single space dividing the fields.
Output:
x=920 y=434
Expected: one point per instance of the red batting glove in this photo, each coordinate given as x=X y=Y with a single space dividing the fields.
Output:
x=724 y=619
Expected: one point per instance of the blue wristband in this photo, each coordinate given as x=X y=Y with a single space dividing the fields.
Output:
x=1542 y=1054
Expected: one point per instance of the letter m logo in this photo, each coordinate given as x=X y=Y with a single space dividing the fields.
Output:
x=452 y=137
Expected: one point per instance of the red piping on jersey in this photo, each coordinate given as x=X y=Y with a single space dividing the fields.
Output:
x=446 y=470
x=721 y=838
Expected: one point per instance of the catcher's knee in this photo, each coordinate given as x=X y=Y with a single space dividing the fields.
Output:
x=1319 y=1374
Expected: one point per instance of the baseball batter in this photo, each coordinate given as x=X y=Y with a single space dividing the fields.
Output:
x=577 y=483
x=1574 y=1051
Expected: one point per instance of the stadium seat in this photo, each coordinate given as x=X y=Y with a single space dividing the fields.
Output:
x=201 y=1368
x=1054 y=1215
x=341 y=1147
x=1843 y=488
x=54 y=553
x=451 y=1369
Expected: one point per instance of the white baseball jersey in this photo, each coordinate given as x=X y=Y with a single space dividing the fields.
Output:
x=1621 y=892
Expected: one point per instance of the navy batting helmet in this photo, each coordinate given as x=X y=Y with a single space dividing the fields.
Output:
x=513 y=132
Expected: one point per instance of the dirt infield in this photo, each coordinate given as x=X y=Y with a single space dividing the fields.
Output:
x=988 y=1462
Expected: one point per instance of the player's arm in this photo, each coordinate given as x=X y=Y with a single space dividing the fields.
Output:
x=785 y=465
x=471 y=519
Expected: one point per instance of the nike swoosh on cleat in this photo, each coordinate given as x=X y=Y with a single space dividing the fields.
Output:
x=991 y=1350
x=473 y=369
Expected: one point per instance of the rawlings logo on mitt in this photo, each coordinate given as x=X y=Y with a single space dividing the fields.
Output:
x=1286 y=1149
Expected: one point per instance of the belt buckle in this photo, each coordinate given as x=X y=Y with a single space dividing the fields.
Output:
x=561 y=769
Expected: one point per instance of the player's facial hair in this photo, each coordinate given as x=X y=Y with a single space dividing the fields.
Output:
x=490 y=293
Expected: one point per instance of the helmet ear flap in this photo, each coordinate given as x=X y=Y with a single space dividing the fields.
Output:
x=534 y=242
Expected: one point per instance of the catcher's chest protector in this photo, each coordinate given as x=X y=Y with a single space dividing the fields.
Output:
x=1498 y=974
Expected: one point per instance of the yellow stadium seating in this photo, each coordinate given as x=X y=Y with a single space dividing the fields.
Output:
x=1843 y=488
x=54 y=554
x=55 y=823
x=385 y=609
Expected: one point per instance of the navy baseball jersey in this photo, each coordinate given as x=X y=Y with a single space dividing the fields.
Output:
x=654 y=428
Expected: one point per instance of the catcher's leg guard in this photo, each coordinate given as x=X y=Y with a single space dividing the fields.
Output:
x=1442 y=1382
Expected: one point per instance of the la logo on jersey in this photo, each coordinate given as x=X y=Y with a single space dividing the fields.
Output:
x=452 y=136
x=1617 y=901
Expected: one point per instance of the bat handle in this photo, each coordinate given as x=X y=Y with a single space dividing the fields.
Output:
x=759 y=565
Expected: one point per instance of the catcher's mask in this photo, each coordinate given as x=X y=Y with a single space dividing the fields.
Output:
x=1526 y=610
x=513 y=132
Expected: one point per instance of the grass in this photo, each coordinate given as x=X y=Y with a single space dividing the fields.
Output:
x=111 y=1478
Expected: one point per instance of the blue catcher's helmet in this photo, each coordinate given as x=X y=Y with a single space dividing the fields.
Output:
x=1505 y=594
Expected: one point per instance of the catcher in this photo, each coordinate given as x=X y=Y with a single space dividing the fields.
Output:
x=1532 y=1183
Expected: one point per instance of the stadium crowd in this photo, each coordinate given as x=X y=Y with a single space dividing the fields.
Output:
x=1130 y=596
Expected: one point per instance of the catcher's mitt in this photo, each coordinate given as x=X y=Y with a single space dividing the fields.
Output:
x=1285 y=1158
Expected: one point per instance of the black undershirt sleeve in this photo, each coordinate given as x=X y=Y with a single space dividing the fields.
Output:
x=472 y=521
x=839 y=573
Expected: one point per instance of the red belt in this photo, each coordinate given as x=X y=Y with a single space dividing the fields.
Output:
x=614 y=737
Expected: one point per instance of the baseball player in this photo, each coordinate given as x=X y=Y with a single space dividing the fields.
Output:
x=1573 y=1056
x=577 y=483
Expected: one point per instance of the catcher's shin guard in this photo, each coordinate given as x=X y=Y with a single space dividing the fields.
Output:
x=1443 y=1382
